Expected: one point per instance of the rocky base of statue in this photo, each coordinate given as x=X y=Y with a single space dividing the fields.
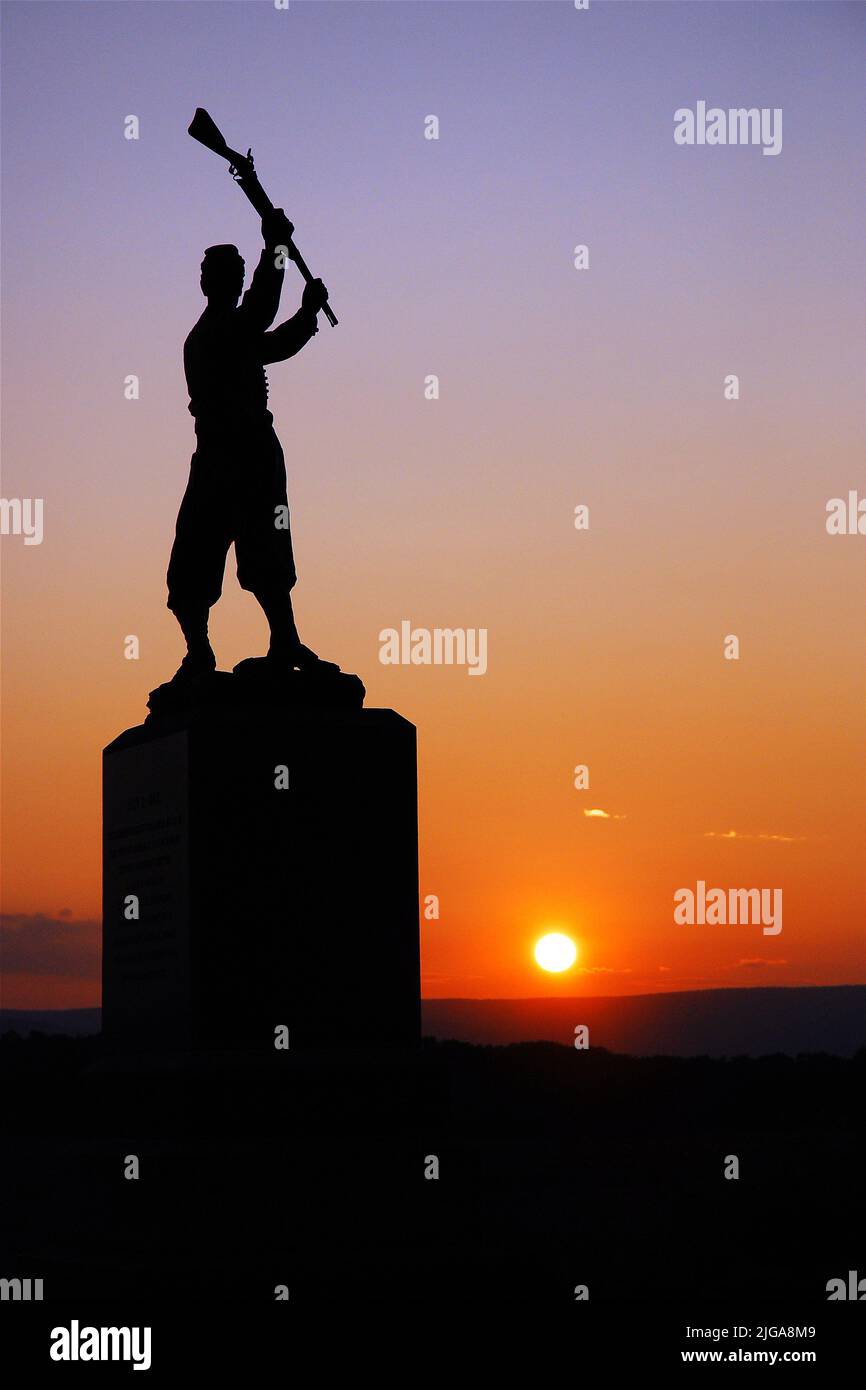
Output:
x=256 y=682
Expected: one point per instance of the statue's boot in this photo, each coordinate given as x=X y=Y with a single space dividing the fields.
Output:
x=199 y=661
x=301 y=658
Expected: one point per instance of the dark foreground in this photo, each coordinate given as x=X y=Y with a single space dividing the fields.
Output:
x=557 y=1168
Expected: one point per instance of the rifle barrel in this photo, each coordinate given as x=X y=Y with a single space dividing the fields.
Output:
x=261 y=202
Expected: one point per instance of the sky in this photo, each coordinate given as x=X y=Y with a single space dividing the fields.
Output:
x=559 y=387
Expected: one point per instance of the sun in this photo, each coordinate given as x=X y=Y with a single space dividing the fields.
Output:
x=555 y=952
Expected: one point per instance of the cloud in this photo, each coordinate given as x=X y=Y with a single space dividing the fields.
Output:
x=32 y=944
x=755 y=962
x=739 y=835
x=599 y=970
x=597 y=814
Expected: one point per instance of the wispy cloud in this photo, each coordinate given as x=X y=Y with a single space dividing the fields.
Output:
x=755 y=963
x=597 y=814
x=32 y=944
x=741 y=835
x=599 y=970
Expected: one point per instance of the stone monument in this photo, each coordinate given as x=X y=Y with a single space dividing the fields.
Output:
x=260 y=873
x=261 y=868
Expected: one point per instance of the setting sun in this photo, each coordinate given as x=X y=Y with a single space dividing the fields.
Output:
x=555 y=952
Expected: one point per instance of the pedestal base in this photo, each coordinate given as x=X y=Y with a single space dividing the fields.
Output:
x=261 y=871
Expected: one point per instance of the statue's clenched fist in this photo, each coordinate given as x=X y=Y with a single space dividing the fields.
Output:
x=315 y=297
x=277 y=230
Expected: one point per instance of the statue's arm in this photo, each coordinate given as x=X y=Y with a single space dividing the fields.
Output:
x=297 y=331
x=283 y=342
x=262 y=300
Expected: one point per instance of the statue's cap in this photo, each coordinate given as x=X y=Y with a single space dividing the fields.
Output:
x=216 y=255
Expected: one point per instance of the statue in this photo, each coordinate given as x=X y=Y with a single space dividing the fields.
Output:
x=237 y=484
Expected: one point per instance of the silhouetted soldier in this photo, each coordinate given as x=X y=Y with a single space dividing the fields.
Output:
x=237 y=484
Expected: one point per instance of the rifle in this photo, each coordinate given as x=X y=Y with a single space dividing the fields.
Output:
x=242 y=170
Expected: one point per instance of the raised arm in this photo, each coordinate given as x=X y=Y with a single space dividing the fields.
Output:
x=283 y=342
x=262 y=300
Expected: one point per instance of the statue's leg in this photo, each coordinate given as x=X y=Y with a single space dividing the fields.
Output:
x=200 y=656
x=266 y=563
x=277 y=607
x=197 y=562
x=286 y=650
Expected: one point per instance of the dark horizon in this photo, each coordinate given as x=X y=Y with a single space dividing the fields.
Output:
x=790 y=1020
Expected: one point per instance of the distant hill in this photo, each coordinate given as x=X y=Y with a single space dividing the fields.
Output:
x=76 y=1023
x=712 y=1022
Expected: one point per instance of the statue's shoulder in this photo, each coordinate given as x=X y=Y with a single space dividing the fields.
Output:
x=202 y=328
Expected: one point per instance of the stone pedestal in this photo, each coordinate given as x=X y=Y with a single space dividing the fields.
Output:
x=260 y=904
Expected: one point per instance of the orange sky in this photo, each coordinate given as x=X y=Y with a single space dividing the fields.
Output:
x=557 y=388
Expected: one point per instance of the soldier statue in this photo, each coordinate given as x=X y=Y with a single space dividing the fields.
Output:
x=237 y=483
